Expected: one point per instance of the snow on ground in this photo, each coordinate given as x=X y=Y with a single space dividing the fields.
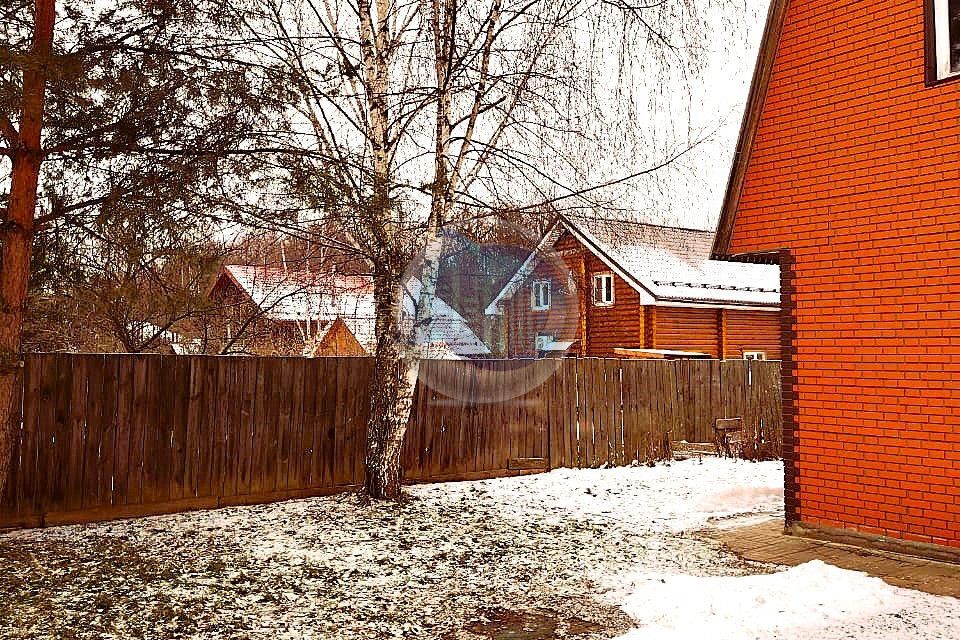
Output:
x=813 y=601
x=673 y=497
x=555 y=555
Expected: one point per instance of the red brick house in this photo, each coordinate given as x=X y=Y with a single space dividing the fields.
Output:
x=611 y=288
x=847 y=174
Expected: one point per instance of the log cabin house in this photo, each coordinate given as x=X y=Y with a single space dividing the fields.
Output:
x=847 y=174
x=279 y=311
x=292 y=312
x=613 y=288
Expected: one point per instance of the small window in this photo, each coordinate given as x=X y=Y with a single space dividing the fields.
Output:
x=603 y=289
x=754 y=355
x=540 y=295
x=946 y=38
x=543 y=342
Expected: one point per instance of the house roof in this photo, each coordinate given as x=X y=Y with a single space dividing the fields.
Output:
x=751 y=121
x=449 y=331
x=671 y=264
x=302 y=296
x=299 y=294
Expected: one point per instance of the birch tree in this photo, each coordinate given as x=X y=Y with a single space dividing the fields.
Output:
x=386 y=119
x=419 y=111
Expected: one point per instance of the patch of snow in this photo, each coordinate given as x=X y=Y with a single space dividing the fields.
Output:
x=578 y=543
x=741 y=499
x=813 y=601
x=673 y=497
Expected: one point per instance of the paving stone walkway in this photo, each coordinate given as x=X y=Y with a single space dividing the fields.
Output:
x=766 y=542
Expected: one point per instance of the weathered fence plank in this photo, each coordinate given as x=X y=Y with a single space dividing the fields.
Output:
x=121 y=458
x=10 y=498
x=79 y=436
x=103 y=436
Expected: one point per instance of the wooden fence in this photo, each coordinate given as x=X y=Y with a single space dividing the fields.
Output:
x=99 y=437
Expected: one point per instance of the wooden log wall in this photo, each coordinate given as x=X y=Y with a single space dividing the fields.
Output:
x=688 y=329
x=98 y=437
x=752 y=331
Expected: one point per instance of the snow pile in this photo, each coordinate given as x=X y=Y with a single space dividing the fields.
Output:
x=674 y=497
x=814 y=601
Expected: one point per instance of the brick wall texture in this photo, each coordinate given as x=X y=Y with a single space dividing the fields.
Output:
x=855 y=171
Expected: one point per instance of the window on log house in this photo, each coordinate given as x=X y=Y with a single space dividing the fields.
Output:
x=540 y=295
x=603 y=289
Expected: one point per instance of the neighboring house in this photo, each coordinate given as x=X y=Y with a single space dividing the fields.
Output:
x=450 y=335
x=272 y=310
x=599 y=287
x=164 y=340
x=472 y=273
x=289 y=311
x=847 y=174
x=336 y=339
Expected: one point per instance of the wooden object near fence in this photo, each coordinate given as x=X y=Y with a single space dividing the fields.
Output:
x=99 y=437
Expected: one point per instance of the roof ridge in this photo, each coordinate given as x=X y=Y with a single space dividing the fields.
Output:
x=640 y=222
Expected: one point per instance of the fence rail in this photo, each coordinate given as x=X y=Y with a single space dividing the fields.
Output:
x=98 y=437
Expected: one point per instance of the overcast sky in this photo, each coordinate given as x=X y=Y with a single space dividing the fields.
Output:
x=690 y=193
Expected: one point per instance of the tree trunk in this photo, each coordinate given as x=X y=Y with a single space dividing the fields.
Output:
x=391 y=393
x=16 y=231
x=429 y=277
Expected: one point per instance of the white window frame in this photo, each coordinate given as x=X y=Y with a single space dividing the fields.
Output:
x=537 y=302
x=754 y=355
x=941 y=22
x=599 y=300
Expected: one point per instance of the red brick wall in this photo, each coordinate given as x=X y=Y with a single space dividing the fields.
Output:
x=856 y=171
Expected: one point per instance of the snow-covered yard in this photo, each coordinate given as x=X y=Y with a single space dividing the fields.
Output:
x=576 y=554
